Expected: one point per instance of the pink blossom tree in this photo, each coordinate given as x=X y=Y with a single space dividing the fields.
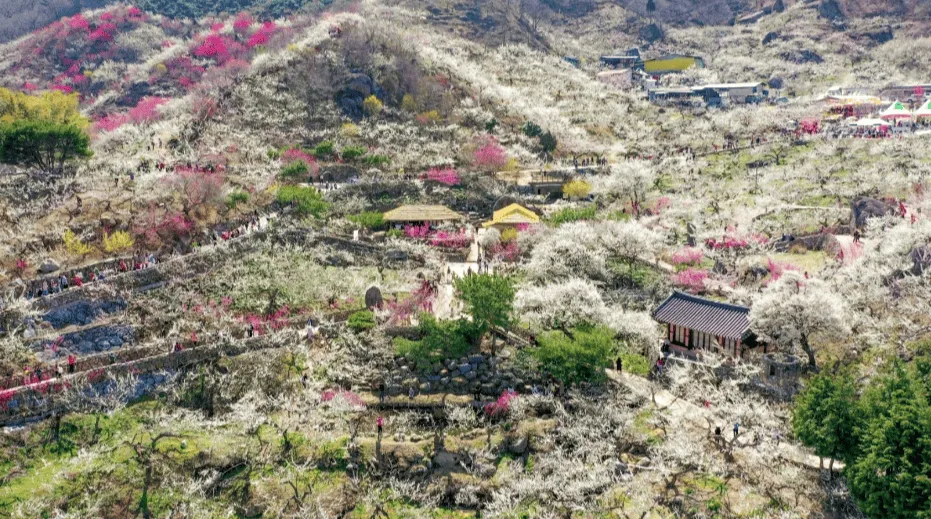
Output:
x=445 y=176
x=197 y=189
x=489 y=154
x=691 y=279
x=687 y=256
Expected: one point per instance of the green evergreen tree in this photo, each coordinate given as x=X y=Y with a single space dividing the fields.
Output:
x=825 y=416
x=42 y=145
x=891 y=476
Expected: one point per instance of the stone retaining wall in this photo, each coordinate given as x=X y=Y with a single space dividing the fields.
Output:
x=466 y=375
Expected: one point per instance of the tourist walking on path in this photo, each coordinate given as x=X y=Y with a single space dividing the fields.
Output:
x=736 y=429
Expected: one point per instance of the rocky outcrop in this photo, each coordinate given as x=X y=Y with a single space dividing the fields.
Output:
x=82 y=313
x=351 y=97
x=862 y=209
x=94 y=340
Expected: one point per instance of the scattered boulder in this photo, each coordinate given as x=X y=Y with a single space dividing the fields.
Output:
x=802 y=56
x=351 y=97
x=48 y=266
x=651 y=33
x=921 y=259
x=771 y=37
x=831 y=9
x=373 y=298
x=880 y=36
x=862 y=209
x=519 y=445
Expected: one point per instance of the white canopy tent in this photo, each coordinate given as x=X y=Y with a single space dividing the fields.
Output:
x=924 y=110
x=871 y=122
x=895 y=111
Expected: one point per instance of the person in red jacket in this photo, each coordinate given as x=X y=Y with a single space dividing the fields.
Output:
x=77 y=281
x=72 y=361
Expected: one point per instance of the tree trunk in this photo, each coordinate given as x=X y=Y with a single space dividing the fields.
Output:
x=144 y=500
x=831 y=469
x=812 y=364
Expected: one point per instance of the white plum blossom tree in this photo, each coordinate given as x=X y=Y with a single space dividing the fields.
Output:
x=794 y=310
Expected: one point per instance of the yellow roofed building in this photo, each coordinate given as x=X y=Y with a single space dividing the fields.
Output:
x=512 y=216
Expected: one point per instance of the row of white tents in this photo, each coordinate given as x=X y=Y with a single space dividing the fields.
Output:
x=896 y=112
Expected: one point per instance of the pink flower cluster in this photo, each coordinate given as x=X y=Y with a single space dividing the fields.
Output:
x=421 y=300
x=500 y=407
x=419 y=232
x=103 y=32
x=261 y=36
x=489 y=154
x=297 y=155
x=214 y=46
x=79 y=23
x=848 y=254
x=691 y=279
x=687 y=256
x=509 y=251
x=264 y=324
x=242 y=23
x=778 y=268
x=348 y=396
x=445 y=176
x=155 y=226
x=455 y=240
x=810 y=126
x=145 y=111
x=733 y=240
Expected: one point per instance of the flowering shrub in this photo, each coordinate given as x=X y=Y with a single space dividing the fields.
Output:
x=489 y=154
x=197 y=188
x=500 y=407
x=242 y=23
x=848 y=254
x=214 y=46
x=120 y=240
x=456 y=240
x=351 y=398
x=79 y=23
x=778 y=268
x=417 y=231
x=810 y=126
x=296 y=155
x=421 y=300
x=147 y=110
x=110 y=122
x=264 y=324
x=691 y=279
x=445 y=176
x=508 y=251
x=261 y=36
x=735 y=241
x=155 y=226
x=687 y=256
